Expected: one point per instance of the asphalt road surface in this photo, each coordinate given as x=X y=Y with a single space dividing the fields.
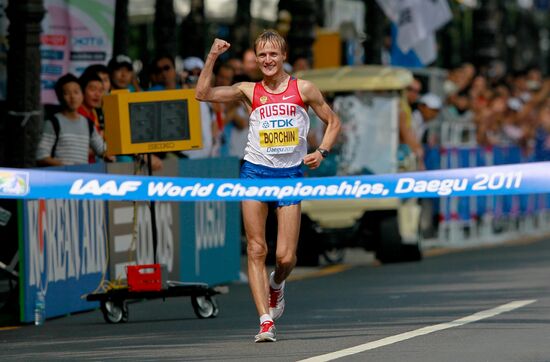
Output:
x=484 y=304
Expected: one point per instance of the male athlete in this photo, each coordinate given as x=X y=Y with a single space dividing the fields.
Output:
x=276 y=148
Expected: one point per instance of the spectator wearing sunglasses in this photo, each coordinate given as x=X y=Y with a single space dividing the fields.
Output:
x=164 y=73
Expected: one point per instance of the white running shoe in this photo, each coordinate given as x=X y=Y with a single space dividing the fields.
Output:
x=276 y=302
x=267 y=333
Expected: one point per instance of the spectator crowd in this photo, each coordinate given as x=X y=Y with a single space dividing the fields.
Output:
x=488 y=107
x=73 y=130
x=484 y=107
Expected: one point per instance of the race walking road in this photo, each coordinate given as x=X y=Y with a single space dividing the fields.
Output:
x=484 y=304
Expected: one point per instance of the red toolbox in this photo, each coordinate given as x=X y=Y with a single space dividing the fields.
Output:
x=146 y=277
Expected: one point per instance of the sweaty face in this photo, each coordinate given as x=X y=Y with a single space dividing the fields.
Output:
x=270 y=58
x=72 y=95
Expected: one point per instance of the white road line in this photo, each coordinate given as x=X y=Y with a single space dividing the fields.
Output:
x=420 y=332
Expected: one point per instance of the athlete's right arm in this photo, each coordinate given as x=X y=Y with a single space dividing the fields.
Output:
x=205 y=91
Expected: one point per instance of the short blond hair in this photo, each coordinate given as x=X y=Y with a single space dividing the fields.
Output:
x=273 y=37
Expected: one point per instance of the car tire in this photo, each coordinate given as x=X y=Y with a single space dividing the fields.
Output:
x=390 y=247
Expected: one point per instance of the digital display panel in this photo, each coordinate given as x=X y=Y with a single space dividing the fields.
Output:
x=155 y=121
x=159 y=121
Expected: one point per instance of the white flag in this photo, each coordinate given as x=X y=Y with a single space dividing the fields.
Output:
x=415 y=19
x=390 y=8
x=426 y=50
x=436 y=13
x=411 y=25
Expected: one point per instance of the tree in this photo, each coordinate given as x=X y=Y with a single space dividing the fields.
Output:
x=192 y=31
x=120 y=41
x=23 y=123
x=240 y=32
x=165 y=27
x=302 y=27
x=375 y=24
x=487 y=29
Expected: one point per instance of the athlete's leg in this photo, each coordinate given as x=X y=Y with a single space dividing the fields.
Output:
x=288 y=231
x=254 y=217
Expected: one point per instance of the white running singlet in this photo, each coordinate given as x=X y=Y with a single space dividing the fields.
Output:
x=278 y=127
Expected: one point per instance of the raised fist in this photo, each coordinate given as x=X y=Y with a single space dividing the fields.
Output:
x=219 y=47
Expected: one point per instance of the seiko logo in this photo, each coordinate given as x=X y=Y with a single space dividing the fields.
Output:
x=162 y=146
x=94 y=187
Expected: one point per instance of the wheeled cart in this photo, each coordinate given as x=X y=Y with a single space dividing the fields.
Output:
x=114 y=304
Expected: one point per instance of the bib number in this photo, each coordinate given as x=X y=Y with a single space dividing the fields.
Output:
x=279 y=141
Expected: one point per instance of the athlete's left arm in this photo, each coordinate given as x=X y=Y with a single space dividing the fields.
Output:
x=312 y=97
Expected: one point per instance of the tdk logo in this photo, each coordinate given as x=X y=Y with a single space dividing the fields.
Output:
x=94 y=187
x=281 y=123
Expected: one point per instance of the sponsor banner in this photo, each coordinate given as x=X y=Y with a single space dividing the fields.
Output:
x=75 y=35
x=131 y=232
x=64 y=253
x=210 y=245
x=495 y=180
x=65 y=241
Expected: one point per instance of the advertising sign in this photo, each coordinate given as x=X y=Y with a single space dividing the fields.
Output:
x=210 y=236
x=63 y=254
x=75 y=34
x=197 y=241
x=131 y=232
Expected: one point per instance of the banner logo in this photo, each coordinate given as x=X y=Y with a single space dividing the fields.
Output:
x=14 y=183
x=94 y=187
x=513 y=179
x=210 y=226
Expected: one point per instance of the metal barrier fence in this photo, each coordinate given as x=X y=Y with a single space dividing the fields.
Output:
x=466 y=220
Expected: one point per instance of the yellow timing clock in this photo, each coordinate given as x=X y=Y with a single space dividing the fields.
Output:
x=147 y=122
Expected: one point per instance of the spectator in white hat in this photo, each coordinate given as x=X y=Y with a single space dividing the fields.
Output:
x=122 y=73
x=193 y=67
x=429 y=106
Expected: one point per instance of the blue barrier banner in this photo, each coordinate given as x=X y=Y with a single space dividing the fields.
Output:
x=494 y=180
x=211 y=237
x=64 y=252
